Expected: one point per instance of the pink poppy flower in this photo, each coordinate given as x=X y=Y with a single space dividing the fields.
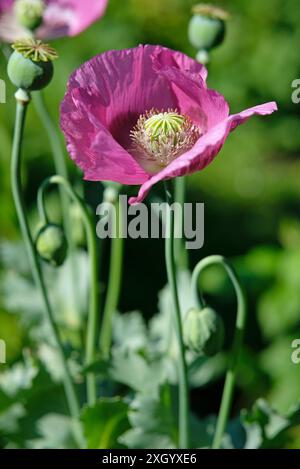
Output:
x=60 y=18
x=143 y=115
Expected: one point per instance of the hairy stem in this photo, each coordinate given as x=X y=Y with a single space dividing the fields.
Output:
x=60 y=169
x=94 y=307
x=23 y=100
x=172 y=279
x=181 y=254
x=114 y=284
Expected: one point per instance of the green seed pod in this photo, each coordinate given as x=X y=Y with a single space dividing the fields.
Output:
x=51 y=244
x=204 y=331
x=207 y=27
x=29 y=13
x=30 y=66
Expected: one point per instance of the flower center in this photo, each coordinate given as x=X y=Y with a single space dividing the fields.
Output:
x=35 y=50
x=160 y=137
x=30 y=13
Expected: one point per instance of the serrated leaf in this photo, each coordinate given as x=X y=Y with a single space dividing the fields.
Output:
x=265 y=427
x=17 y=378
x=129 y=331
x=132 y=369
x=153 y=420
x=54 y=432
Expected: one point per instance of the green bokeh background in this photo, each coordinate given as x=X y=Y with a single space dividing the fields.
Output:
x=251 y=191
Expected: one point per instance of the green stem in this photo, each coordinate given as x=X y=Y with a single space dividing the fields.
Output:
x=181 y=254
x=172 y=279
x=60 y=169
x=237 y=343
x=114 y=284
x=94 y=306
x=54 y=139
x=23 y=100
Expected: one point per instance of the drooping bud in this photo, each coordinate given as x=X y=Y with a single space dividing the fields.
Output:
x=207 y=27
x=161 y=136
x=51 y=244
x=204 y=331
x=30 y=13
x=30 y=66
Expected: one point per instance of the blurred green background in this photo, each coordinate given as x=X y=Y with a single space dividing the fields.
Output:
x=251 y=191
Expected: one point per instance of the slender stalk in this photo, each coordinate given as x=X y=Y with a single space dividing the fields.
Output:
x=54 y=139
x=181 y=254
x=94 y=306
x=114 y=284
x=62 y=170
x=237 y=343
x=172 y=279
x=23 y=100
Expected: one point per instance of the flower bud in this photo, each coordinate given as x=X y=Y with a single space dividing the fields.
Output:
x=204 y=331
x=51 y=244
x=30 y=65
x=207 y=27
x=29 y=13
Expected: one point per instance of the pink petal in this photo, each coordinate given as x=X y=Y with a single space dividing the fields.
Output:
x=204 y=106
x=92 y=146
x=5 y=5
x=106 y=96
x=70 y=17
x=61 y=18
x=204 y=151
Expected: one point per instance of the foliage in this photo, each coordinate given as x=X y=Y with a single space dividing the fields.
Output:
x=251 y=193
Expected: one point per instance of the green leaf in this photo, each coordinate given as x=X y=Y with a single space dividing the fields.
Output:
x=266 y=428
x=153 y=421
x=132 y=369
x=17 y=378
x=129 y=331
x=105 y=422
x=54 y=433
x=10 y=419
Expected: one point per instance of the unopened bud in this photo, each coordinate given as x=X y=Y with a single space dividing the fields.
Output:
x=30 y=13
x=204 y=331
x=51 y=244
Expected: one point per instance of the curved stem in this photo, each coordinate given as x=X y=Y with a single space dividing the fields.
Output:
x=237 y=343
x=94 y=307
x=23 y=100
x=181 y=254
x=60 y=169
x=114 y=284
x=172 y=279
